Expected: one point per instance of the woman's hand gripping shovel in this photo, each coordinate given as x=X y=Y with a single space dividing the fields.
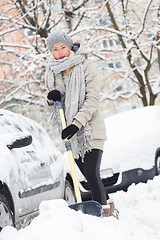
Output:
x=88 y=207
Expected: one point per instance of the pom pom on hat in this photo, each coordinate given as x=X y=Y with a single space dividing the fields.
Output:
x=59 y=37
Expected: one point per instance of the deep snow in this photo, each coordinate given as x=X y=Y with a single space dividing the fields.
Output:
x=132 y=139
x=139 y=219
x=139 y=207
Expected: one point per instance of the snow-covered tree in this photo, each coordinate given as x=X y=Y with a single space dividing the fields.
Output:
x=122 y=36
x=24 y=27
x=141 y=44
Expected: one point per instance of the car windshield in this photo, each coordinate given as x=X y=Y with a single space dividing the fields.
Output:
x=8 y=125
x=11 y=123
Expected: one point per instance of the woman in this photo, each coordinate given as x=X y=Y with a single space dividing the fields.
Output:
x=71 y=72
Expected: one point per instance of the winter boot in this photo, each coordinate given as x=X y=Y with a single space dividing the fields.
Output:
x=110 y=210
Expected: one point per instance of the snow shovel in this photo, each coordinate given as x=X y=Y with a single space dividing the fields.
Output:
x=88 y=207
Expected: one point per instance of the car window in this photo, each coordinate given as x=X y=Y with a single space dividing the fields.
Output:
x=38 y=134
x=41 y=140
x=15 y=123
x=10 y=124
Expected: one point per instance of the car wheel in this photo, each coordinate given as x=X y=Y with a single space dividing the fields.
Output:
x=157 y=165
x=69 y=195
x=6 y=216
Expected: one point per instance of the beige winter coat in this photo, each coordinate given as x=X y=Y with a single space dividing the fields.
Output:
x=90 y=111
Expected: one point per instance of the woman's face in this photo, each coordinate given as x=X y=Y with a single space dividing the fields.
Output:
x=60 y=50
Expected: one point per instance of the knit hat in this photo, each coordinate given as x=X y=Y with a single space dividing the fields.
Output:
x=59 y=37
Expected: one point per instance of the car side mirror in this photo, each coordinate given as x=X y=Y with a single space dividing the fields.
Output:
x=18 y=140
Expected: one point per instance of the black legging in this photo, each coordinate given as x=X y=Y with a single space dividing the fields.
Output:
x=90 y=167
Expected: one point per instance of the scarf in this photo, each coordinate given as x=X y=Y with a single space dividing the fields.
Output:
x=82 y=141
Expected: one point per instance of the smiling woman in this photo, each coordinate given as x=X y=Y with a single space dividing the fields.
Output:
x=60 y=50
x=71 y=72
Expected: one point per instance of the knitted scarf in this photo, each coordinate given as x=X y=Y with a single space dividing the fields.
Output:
x=74 y=98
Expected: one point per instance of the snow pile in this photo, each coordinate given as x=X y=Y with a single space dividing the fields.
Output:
x=132 y=139
x=139 y=219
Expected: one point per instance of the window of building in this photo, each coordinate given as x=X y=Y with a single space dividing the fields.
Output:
x=110 y=65
x=111 y=43
x=105 y=20
x=117 y=42
x=97 y=1
x=105 y=45
x=30 y=33
x=116 y=63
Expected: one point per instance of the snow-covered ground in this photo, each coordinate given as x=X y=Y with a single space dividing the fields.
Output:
x=139 y=219
x=137 y=134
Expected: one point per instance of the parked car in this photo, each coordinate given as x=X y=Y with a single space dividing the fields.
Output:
x=31 y=170
x=132 y=150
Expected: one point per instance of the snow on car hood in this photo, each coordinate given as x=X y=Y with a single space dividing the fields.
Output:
x=132 y=139
x=11 y=167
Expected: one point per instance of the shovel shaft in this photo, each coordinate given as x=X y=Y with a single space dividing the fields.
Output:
x=62 y=118
x=70 y=156
x=74 y=176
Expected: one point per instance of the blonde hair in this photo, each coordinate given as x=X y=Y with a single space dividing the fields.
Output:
x=71 y=68
x=68 y=70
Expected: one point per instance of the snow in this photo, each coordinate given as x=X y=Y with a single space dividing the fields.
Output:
x=138 y=219
x=139 y=207
x=17 y=127
x=7 y=165
x=132 y=139
x=9 y=139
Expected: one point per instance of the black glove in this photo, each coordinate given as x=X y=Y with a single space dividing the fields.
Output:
x=69 y=131
x=54 y=95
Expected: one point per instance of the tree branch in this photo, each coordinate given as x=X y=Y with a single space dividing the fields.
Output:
x=144 y=18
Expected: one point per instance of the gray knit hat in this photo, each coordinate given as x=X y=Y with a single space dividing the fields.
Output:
x=59 y=37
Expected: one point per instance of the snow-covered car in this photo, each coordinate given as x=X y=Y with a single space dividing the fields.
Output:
x=132 y=150
x=31 y=170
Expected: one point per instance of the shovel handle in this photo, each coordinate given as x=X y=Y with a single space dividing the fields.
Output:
x=70 y=155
